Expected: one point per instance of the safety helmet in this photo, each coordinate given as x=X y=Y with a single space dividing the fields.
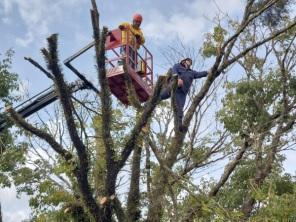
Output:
x=186 y=59
x=137 y=17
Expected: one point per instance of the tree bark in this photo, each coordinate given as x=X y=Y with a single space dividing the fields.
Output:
x=133 y=201
x=229 y=168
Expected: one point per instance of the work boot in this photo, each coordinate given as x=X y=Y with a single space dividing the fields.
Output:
x=182 y=128
x=162 y=76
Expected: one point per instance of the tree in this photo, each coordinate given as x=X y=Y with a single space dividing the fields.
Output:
x=258 y=112
x=8 y=86
x=91 y=161
x=224 y=58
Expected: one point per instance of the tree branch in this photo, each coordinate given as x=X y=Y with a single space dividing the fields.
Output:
x=39 y=133
x=149 y=108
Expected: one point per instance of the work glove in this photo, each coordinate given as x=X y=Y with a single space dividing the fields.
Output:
x=138 y=38
x=121 y=27
x=180 y=82
x=209 y=71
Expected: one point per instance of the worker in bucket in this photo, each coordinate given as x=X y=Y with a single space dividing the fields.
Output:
x=135 y=29
x=136 y=38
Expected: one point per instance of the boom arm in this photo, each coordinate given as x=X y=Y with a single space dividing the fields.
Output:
x=41 y=100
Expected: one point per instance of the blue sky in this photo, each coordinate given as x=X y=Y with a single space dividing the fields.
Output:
x=25 y=24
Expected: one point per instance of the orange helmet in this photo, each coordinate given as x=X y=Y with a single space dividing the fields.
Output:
x=137 y=17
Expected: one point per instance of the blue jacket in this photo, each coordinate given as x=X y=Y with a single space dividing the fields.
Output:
x=187 y=75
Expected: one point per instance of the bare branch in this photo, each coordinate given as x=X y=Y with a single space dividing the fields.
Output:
x=39 y=133
x=36 y=64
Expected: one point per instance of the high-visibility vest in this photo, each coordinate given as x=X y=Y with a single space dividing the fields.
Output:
x=134 y=31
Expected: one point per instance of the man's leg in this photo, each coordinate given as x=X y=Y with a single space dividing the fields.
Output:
x=180 y=100
x=122 y=53
x=165 y=93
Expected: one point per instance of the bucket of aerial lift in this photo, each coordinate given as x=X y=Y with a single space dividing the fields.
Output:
x=121 y=49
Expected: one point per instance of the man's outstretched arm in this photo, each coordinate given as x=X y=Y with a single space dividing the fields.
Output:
x=197 y=75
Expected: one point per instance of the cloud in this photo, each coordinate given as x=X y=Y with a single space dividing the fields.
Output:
x=37 y=16
x=15 y=216
x=210 y=8
x=13 y=209
x=26 y=40
x=190 y=22
x=289 y=163
x=6 y=21
x=7 y=5
x=187 y=28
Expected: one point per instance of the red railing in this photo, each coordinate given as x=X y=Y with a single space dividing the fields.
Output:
x=121 y=45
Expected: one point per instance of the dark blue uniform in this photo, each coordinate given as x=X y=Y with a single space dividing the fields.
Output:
x=187 y=75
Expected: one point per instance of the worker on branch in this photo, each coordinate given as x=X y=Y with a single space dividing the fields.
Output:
x=185 y=77
x=136 y=37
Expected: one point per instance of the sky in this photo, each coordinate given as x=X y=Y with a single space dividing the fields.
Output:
x=25 y=25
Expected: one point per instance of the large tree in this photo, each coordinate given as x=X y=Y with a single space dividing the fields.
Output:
x=8 y=88
x=97 y=144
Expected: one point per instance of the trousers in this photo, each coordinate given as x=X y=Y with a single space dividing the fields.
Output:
x=132 y=55
x=180 y=97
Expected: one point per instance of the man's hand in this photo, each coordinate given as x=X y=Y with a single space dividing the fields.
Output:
x=180 y=82
x=209 y=71
x=121 y=27
x=138 y=38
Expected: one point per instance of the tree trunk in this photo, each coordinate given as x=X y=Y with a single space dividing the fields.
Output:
x=133 y=201
x=157 y=195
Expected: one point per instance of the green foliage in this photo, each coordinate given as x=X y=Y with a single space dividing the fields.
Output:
x=50 y=198
x=8 y=84
x=213 y=41
x=8 y=79
x=208 y=210
x=279 y=199
x=276 y=14
x=10 y=160
x=252 y=62
x=42 y=184
x=278 y=208
x=11 y=153
x=275 y=196
x=59 y=216
x=248 y=102
x=50 y=195
x=209 y=48
x=233 y=193
x=219 y=34
x=284 y=185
